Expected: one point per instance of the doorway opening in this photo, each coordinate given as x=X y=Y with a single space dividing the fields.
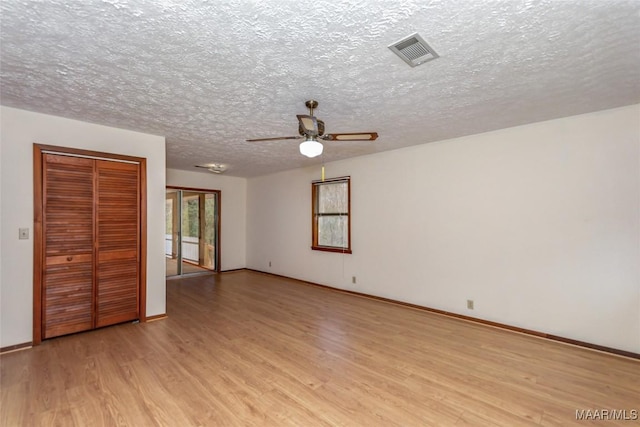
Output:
x=192 y=231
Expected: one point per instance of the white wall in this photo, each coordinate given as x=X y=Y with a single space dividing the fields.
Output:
x=538 y=224
x=19 y=130
x=233 y=237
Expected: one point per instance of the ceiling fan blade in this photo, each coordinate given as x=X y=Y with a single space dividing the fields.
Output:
x=361 y=136
x=277 y=138
x=309 y=124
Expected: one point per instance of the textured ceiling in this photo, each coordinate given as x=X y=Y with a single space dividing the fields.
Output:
x=210 y=74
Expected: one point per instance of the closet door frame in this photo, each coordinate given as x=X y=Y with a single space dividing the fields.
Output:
x=38 y=236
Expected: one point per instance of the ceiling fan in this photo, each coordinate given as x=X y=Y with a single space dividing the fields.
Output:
x=311 y=129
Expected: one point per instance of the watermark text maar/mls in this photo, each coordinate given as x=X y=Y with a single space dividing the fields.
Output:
x=607 y=414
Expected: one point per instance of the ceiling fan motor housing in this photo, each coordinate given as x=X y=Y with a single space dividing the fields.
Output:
x=320 y=128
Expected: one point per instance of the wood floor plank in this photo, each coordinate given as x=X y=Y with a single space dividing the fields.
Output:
x=249 y=349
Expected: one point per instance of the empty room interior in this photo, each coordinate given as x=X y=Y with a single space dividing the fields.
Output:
x=314 y=213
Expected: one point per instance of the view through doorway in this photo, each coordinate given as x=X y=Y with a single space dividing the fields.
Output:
x=192 y=230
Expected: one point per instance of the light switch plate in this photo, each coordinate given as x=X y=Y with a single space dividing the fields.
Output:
x=23 y=233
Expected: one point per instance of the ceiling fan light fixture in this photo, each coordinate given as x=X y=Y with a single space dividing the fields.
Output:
x=217 y=168
x=214 y=167
x=311 y=148
x=311 y=130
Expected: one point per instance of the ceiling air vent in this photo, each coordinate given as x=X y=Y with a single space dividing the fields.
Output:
x=413 y=50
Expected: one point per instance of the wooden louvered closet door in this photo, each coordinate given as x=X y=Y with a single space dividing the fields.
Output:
x=117 y=242
x=91 y=229
x=68 y=222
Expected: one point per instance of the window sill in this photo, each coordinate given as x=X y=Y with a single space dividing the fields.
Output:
x=331 y=249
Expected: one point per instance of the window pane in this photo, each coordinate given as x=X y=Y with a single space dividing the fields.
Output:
x=190 y=217
x=333 y=198
x=332 y=231
x=168 y=215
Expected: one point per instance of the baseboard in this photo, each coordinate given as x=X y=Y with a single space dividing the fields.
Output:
x=16 y=347
x=26 y=345
x=233 y=270
x=156 y=317
x=538 y=334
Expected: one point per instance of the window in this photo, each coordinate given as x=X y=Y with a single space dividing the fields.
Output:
x=331 y=226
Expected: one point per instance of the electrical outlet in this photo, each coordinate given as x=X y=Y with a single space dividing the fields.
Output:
x=23 y=233
x=353 y=280
x=470 y=304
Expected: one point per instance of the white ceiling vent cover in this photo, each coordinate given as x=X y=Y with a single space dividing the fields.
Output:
x=413 y=50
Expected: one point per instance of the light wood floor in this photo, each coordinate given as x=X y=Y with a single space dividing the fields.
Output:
x=244 y=348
